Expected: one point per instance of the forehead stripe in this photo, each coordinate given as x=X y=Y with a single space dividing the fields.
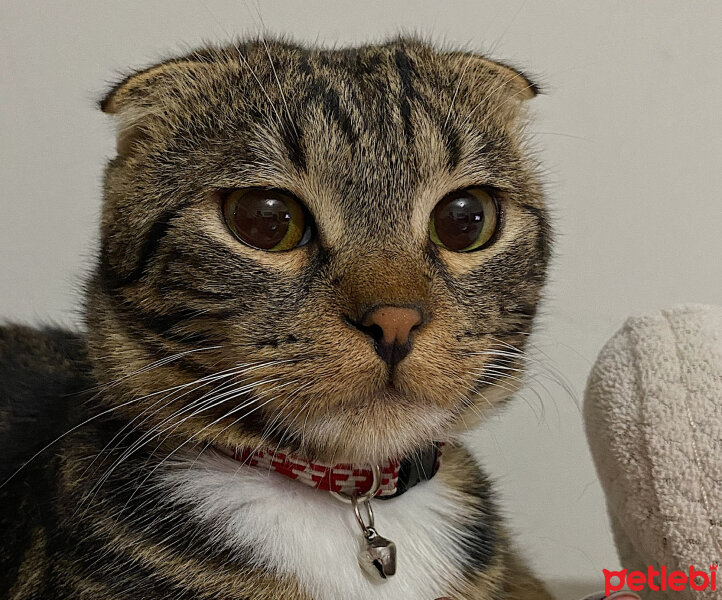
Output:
x=292 y=135
x=322 y=92
x=406 y=70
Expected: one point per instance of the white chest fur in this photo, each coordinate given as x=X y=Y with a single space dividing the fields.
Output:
x=298 y=531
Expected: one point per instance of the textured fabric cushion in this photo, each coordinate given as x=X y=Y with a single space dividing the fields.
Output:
x=653 y=413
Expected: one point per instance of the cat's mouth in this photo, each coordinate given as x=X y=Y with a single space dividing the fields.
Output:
x=388 y=393
x=387 y=396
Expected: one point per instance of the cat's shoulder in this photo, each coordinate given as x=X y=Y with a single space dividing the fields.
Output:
x=42 y=373
x=32 y=359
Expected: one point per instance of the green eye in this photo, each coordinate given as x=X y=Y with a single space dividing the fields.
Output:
x=266 y=219
x=464 y=220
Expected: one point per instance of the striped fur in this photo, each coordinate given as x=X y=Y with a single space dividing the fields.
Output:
x=194 y=339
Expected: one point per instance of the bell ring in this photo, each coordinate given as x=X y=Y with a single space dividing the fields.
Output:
x=377 y=556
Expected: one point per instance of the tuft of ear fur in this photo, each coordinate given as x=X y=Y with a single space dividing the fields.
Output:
x=140 y=101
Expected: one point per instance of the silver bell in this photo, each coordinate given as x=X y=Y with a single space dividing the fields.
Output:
x=377 y=556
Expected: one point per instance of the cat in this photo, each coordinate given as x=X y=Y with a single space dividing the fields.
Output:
x=310 y=260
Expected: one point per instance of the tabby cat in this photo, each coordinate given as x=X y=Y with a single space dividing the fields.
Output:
x=311 y=261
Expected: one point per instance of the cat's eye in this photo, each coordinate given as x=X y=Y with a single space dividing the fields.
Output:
x=464 y=220
x=267 y=219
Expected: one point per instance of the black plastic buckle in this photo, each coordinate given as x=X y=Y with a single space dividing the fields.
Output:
x=414 y=469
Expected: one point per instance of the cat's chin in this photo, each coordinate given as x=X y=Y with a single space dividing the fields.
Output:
x=378 y=431
x=373 y=425
x=389 y=423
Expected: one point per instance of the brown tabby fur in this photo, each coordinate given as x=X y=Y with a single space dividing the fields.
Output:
x=370 y=139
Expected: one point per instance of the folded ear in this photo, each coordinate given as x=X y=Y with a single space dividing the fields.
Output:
x=494 y=80
x=142 y=101
x=513 y=81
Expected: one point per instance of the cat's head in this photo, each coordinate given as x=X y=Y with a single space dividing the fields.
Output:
x=335 y=252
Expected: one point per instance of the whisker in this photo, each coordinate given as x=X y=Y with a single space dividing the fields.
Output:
x=151 y=433
x=208 y=399
x=189 y=440
x=233 y=373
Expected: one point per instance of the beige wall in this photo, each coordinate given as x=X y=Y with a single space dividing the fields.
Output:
x=630 y=132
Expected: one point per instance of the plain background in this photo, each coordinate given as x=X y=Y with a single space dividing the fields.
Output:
x=629 y=129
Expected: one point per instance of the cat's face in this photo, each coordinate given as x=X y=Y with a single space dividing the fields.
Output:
x=357 y=327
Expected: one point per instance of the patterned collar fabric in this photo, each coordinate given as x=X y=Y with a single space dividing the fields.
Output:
x=397 y=476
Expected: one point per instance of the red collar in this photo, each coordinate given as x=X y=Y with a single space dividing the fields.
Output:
x=397 y=476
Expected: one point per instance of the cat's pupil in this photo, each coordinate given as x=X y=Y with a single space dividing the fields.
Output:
x=459 y=220
x=261 y=219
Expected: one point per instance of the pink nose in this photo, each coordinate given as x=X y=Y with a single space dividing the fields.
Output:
x=396 y=323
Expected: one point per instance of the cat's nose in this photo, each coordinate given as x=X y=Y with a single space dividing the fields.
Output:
x=391 y=327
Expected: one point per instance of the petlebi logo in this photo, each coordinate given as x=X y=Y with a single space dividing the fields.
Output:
x=660 y=580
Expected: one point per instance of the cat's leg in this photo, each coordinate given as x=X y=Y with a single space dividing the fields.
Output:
x=520 y=583
x=508 y=580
